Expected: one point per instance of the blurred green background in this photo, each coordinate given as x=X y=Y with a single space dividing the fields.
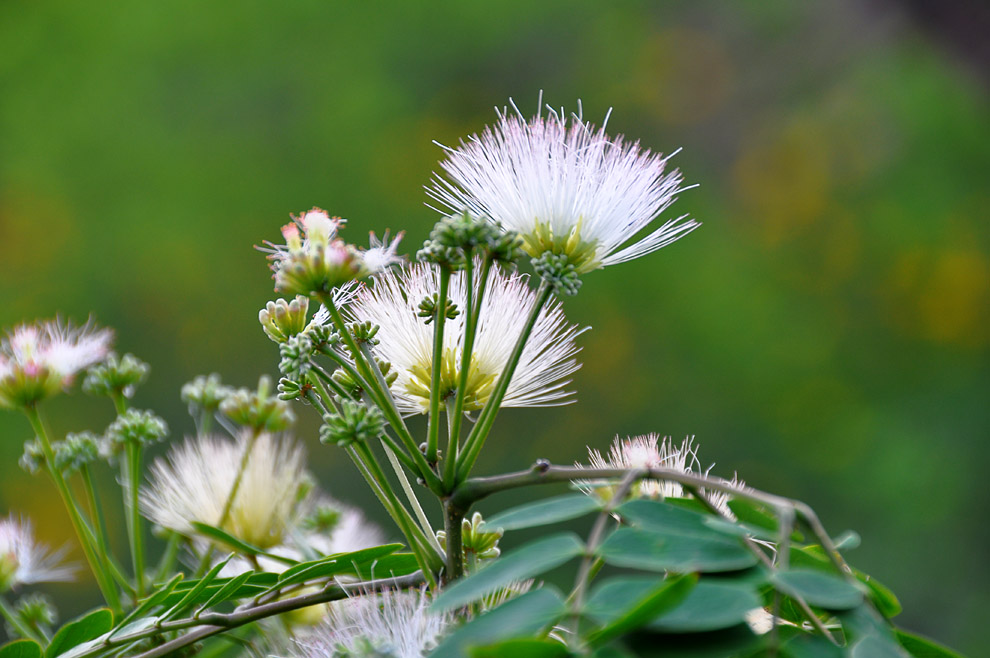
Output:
x=824 y=334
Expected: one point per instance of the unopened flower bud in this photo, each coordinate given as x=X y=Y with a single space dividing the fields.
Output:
x=295 y=353
x=76 y=451
x=258 y=409
x=558 y=272
x=364 y=332
x=33 y=459
x=428 y=308
x=281 y=319
x=36 y=610
x=205 y=393
x=291 y=389
x=477 y=542
x=355 y=422
x=116 y=376
x=135 y=426
x=323 y=519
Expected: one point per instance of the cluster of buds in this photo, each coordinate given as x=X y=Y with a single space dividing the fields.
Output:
x=259 y=409
x=314 y=260
x=116 y=377
x=477 y=541
x=355 y=422
x=559 y=272
x=39 y=360
x=135 y=426
x=428 y=308
x=205 y=393
x=323 y=519
x=461 y=235
x=282 y=320
x=355 y=388
x=79 y=450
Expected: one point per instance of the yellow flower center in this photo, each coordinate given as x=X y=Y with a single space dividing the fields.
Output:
x=476 y=392
x=581 y=254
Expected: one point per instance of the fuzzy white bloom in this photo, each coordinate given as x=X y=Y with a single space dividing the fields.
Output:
x=390 y=623
x=407 y=341
x=650 y=451
x=195 y=482
x=565 y=186
x=315 y=260
x=38 y=360
x=24 y=561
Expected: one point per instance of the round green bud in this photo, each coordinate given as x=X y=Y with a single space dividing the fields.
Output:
x=355 y=422
x=76 y=451
x=205 y=393
x=135 y=426
x=558 y=272
x=281 y=319
x=33 y=459
x=258 y=409
x=428 y=308
x=116 y=376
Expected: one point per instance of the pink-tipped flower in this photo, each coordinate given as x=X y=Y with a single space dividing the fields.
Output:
x=39 y=360
x=315 y=260
x=24 y=561
x=565 y=186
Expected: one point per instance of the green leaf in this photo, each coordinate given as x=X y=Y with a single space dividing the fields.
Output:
x=21 y=649
x=760 y=517
x=916 y=645
x=610 y=597
x=663 y=518
x=150 y=602
x=810 y=646
x=709 y=606
x=544 y=512
x=83 y=629
x=522 y=648
x=629 y=547
x=334 y=564
x=664 y=598
x=228 y=590
x=818 y=588
x=520 y=564
x=880 y=595
x=390 y=566
x=520 y=617
x=191 y=596
x=877 y=646
x=236 y=544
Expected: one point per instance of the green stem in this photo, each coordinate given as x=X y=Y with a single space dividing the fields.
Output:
x=453 y=516
x=132 y=479
x=470 y=331
x=169 y=557
x=229 y=504
x=103 y=580
x=100 y=528
x=382 y=396
x=439 y=320
x=476 y=439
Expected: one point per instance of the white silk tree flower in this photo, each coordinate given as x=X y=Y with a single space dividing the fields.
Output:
x=389 y=623
x=194 y=483
x=24 y=561
x=650 y=451
x=392 y=303
x=315 y=260
x=39 y=360
x=565 y=186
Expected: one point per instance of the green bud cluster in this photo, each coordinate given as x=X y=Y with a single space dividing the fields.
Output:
x=364 y=332
x=281 y=319
x=36 y=611
x=353 y=387
x=76 y=451
x=135 y=426
x=457 y=236
x=428 y=308
x=476 y=542
x=205 y=393
x=116 y=376
x=33 y=459
x=355 y=422
x=558 y=272
x=323 y=519
x=292 y=389
x=295 y=353
x=258 y=409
